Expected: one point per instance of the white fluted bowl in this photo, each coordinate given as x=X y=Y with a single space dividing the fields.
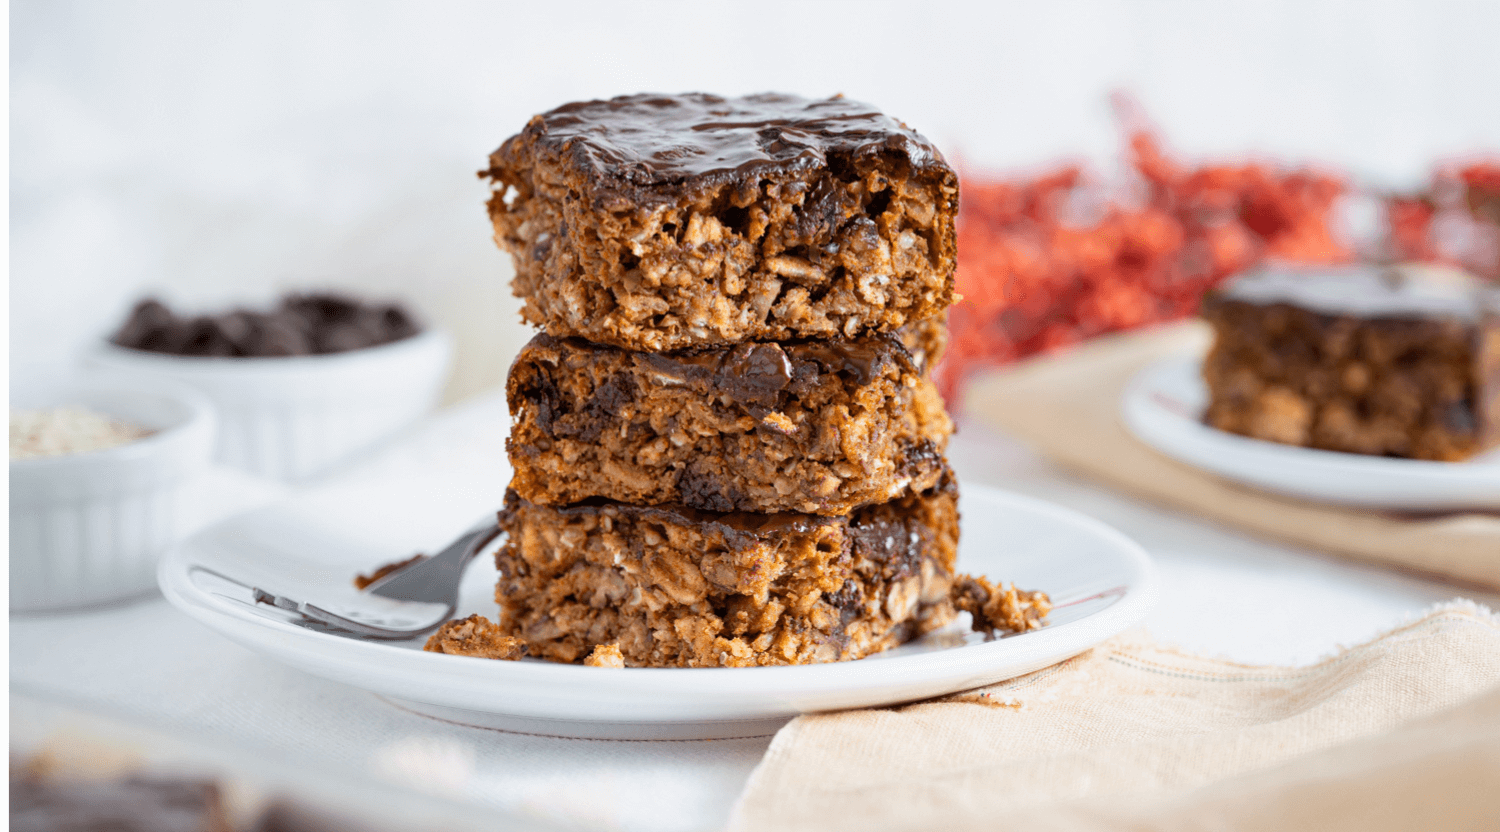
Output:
x=290 y=418
x=87 y=529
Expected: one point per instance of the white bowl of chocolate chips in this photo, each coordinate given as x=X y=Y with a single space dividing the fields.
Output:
x=299 y=389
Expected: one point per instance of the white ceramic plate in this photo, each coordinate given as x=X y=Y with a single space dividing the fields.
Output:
x=1102 y=581
x=1164 y=408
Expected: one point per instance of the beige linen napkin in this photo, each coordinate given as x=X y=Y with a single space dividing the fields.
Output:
x=1135 y=735
x=1067 y=407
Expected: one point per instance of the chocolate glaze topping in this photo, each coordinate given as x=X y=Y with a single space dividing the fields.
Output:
x=754 y=373
x=636 y=142
x=864 y=358
x=1368 y=292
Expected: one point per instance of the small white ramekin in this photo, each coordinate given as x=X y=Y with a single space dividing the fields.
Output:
x=87 y=529
x=295 y=417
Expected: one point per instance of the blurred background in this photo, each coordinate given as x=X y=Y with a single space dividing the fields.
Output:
x=220 y=153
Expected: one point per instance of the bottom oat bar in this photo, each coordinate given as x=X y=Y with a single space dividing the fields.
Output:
x=616 y=584
x=673 y=586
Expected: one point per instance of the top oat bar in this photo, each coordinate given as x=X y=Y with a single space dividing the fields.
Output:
x=665 y=222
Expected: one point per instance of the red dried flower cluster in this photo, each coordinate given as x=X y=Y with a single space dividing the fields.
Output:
x=1455 y=221
x=1051 y=260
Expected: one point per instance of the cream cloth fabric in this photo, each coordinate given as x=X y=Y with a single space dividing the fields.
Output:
x=1136 y=735
x=1067 y=407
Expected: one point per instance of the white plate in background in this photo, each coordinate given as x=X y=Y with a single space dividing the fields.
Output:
x=1164 y=405
x=1102 y=581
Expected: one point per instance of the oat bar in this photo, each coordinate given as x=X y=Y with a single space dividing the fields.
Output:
x=672 y=586
x=1364 y=361
x=663 y=222
x=820 y=427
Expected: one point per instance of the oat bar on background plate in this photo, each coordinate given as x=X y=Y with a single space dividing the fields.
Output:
x=1370 y=361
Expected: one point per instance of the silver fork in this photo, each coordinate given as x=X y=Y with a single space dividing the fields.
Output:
x=429 y=585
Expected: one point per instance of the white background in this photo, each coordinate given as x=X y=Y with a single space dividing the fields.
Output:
x=221 y=152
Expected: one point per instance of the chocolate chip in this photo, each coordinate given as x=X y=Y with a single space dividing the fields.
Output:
x=601 y=410
x=703 y=489
x=1459 y=417
x=889 y=542
x=755 y=374
x=849 y=601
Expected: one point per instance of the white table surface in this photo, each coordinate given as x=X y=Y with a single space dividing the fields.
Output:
x=145 y=664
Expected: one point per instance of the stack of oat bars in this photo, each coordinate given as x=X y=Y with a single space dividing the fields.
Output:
x=727 y=450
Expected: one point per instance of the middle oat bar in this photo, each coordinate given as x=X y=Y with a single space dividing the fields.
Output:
x=819 y=427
